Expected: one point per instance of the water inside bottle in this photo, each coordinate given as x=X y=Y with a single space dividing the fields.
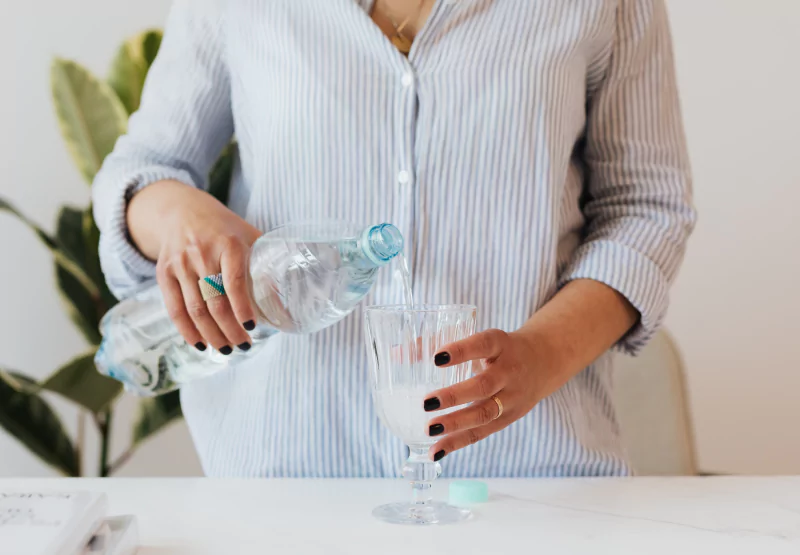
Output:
x=304 y=278
x=315 y=285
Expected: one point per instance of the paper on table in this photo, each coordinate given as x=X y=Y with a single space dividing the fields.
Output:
x=48 y=523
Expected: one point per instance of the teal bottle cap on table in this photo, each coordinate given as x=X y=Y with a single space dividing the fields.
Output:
x=468 y=492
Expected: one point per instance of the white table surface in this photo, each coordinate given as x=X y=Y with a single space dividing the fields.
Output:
x=756 y=516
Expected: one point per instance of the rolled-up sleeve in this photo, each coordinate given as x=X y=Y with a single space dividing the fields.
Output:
x=183 y=123
x=638 y=203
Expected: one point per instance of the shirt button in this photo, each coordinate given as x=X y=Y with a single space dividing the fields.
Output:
x=403 y=177
x=407 y=80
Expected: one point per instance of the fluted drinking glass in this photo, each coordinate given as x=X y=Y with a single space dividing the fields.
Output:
x=402 y=342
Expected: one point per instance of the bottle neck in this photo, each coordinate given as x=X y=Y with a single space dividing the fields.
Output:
x=376 y=246
x=353 y=255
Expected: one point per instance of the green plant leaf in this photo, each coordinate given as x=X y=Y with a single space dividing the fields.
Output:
x=20 y=382
x=85 y=307
x=69 y=231
x=127 y=76
x=90 y=115
x=80 y=382
x=62 y=257
x=151 y=43
x=219 y=179
x=130 y=66
x=154 y=414
x=31 y=420
x=91 y=246
x=81 y=307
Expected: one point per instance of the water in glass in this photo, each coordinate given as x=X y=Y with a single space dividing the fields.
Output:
x=402 y=342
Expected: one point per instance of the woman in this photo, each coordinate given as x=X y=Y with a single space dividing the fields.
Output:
x=532 y=154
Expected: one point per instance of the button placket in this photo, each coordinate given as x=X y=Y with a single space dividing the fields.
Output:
x=403 y=177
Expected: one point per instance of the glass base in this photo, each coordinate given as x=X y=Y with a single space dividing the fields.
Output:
x=433 y=512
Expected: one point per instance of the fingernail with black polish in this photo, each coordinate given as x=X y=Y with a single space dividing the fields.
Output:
x=200 y=347
x=441 y=359
x=244 y=346
x=438 y=456
x=249 y=325
x=432 y=404
x=226 y=350
x=435 y=430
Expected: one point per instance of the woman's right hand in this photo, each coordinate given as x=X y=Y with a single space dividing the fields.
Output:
x=192 y=235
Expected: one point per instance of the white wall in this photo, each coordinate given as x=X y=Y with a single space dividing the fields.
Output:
x=735 y=306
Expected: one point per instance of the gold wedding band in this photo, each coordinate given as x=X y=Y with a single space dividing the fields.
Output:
x=499 y=406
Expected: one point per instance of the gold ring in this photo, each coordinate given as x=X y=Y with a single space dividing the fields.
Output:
x=499 y=406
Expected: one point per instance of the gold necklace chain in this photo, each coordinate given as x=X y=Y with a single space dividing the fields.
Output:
x=400 y=40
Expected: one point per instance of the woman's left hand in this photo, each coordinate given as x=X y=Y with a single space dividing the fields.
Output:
x=515 y=370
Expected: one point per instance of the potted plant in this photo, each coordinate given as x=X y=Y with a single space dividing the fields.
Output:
x=92 y=115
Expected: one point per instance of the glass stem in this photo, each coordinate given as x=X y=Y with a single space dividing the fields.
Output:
x=421 y=471
x=422 y=493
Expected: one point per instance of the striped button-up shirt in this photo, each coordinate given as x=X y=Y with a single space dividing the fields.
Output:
x=522 y=144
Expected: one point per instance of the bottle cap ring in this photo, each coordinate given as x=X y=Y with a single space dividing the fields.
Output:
x=211 y=286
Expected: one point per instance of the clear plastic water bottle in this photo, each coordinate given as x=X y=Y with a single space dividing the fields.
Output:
x=303 y=278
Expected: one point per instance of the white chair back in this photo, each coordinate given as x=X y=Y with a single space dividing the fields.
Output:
x=651 y=400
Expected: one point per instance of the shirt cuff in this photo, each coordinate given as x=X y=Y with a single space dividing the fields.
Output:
x=633 y=275
x=124 y=266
